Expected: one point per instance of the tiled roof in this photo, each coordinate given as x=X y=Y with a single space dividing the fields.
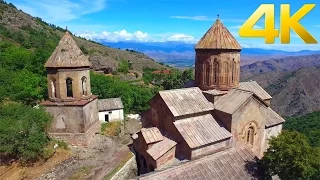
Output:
x=272 y=118
x=185 y=101
x=201 y=130
x=189 y=84
x=218 y=37
x=151 y=135
x=235 y=163
x=215 y=92
x=254 y=87
x=110 y=104
x=232 y=101
x=67 y=54
x=160 y=148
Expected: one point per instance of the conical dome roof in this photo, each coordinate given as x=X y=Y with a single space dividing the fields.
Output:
x=218 y=37
x=67 y=54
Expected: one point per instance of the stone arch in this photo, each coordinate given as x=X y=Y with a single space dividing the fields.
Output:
x=216 y=71
x=53 y=88
x=69 y=87
x=208 y=72
x=233 y=71
x=84 y=86
x=249 y=133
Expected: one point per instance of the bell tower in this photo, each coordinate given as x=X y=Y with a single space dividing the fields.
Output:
x=217 y=64
x=74 y=108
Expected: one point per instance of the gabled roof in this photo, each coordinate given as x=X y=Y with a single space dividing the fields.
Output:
x=235 y=163
x=185 y=101
x=110 y=104
x=254 y=87
x=151 y=135
x=272 y=118
x=218 y=37
x=232 y=101
x=67 y=54
x=160 y=148
x=201 y=130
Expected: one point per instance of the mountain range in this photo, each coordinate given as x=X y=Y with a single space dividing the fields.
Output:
x=182 y=54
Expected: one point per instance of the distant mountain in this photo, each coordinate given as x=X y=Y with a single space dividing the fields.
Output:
x=182 y=54
x=19 y=28
x=293 y=82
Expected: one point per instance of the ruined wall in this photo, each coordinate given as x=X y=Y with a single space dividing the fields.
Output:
x=250 y=114
x=211 y=148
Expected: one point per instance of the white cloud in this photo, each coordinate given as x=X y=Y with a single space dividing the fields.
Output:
x=60 y=10
x=124 y=35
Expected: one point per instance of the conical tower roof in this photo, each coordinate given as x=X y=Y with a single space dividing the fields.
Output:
x=67 y=54
x=218 y=37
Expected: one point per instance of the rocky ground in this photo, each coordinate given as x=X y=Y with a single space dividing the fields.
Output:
x=100 y=160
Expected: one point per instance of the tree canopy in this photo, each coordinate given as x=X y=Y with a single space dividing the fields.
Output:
x=290 y=156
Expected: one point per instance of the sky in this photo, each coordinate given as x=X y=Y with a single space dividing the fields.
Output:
x=165 y=20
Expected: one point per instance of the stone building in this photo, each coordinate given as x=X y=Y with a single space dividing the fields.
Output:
x=215 y=123
x=74 y=108
x=110 y=110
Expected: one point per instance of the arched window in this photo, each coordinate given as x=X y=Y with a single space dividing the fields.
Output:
x=204 y=75
x=226 y=72
x=84 y=85
x=216 y=71
x=53 y=88
x=250 y=135
x=233 y=71
x=69 y=87
x=208 y=65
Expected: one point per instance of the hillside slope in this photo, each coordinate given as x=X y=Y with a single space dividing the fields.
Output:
x=20 y=28
x=294 y=92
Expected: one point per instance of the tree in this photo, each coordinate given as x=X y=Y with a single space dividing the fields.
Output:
x=123 y=66
x=22 y=131
x=290 y=156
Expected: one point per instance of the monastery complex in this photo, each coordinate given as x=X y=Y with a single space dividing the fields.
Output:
x=216 y=124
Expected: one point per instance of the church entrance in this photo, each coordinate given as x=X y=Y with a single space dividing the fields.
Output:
x=106 y=117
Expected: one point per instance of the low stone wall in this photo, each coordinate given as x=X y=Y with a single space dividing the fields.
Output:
x=129 y=170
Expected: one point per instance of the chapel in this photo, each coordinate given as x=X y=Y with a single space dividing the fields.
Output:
x=71 y=103
x=211 y=128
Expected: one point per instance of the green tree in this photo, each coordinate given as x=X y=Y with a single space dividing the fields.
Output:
x=290 y=156
x=22 y=131
x=123 y=66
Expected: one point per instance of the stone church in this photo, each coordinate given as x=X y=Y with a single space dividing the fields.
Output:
x=71 y=103
x=213 y=127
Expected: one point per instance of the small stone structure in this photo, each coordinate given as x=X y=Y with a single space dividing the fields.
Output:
x=217 y=119
x=71 y=103
x=110 y=110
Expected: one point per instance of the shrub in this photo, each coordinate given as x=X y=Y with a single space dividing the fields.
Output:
x=111 y=128
x=123 y=66
x=23 y=132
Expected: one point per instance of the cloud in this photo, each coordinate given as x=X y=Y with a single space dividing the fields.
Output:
x=60 y=10
x=197 y=18
x=124 y=35
x=317 y=26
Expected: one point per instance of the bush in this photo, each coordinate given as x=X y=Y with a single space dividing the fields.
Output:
x=23 y=132
x=123 y=66
x=111 y=128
